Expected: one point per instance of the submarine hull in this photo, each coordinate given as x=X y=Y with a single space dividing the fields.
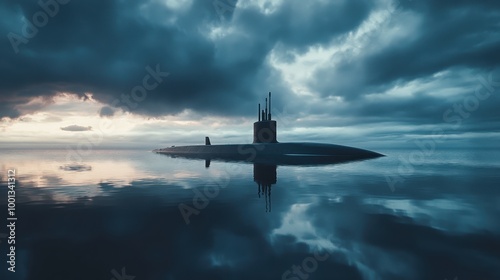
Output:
x=274 y=153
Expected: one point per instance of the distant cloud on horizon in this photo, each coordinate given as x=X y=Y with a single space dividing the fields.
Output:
x=76 y=128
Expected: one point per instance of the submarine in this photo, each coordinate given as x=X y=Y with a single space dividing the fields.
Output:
x=266 y=149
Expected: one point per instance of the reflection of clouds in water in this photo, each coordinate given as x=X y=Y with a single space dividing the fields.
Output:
x=422 y=231
x=52 y=180
x=322 y=225
x=436 y=213
x=296 y=222
x=367 y=236
x=75 y=167
x=54 y=192
x=102 y=171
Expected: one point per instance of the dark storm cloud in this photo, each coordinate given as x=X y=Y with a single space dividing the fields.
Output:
x=76 y=128
x=104 y=47
x=449 y=34
x=454 y=36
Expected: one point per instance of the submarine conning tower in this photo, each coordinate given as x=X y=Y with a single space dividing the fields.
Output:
x=265 y=129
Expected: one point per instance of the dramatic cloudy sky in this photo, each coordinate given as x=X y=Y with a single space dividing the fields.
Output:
x=341 y=71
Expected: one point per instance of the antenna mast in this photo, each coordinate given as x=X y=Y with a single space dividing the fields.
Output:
x=258 y=112
x=269 y=116
x=266 y=111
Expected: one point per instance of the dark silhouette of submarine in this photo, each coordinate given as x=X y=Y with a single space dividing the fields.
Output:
x=266 y=148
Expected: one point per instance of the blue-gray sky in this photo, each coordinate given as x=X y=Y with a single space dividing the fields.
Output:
x=340 y=71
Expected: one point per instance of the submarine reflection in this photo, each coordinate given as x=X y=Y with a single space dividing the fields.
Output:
x=265 y=176
x=265 y=169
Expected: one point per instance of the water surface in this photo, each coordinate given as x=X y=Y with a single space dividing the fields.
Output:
x=118 y=213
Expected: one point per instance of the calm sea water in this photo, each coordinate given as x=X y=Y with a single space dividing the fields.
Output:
x=128 y=213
